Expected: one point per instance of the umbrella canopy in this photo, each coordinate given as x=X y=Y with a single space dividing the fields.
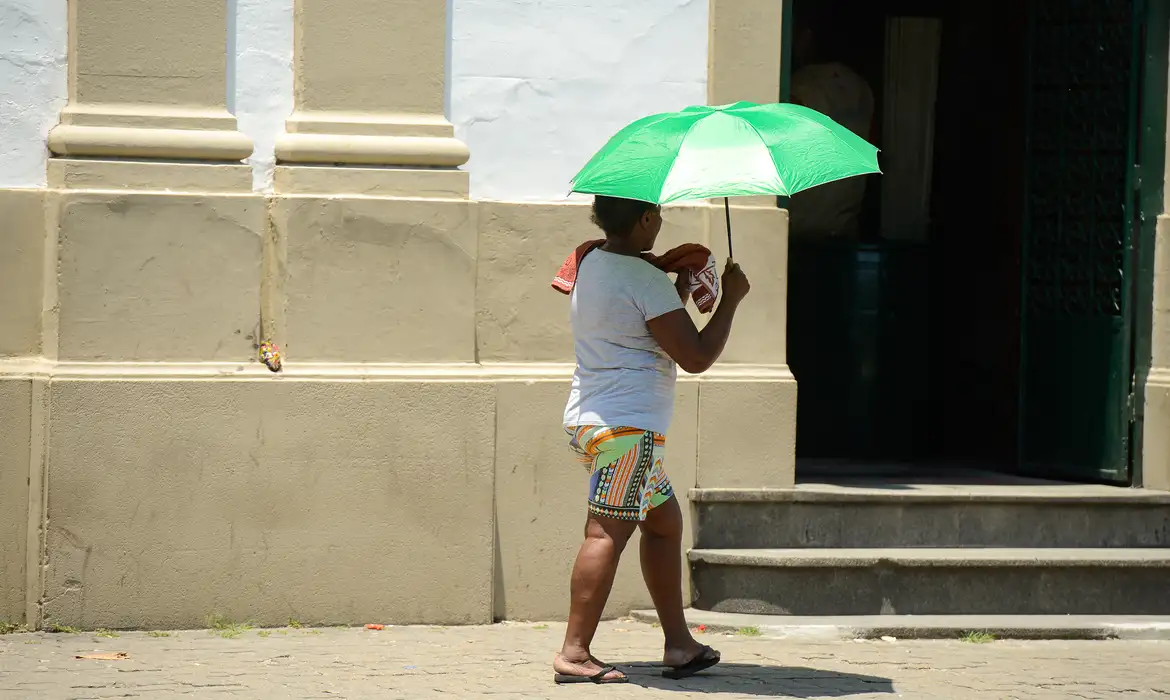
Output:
x=733 y=150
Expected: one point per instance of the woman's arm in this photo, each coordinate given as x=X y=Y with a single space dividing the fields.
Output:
x=694 y=350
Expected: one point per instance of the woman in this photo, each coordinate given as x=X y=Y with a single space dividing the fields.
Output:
x=630 y=328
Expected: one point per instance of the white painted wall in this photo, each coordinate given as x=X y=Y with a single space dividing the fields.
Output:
x=33 y=86
x=537 y=86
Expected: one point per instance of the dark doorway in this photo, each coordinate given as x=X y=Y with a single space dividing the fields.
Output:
x=998 y=333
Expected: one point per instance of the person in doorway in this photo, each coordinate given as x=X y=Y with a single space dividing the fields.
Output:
x=630 y=328
x=840 y=93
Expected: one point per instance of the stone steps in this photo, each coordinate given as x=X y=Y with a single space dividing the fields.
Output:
x=935 y=581
x=823 y=516
x=914 y=549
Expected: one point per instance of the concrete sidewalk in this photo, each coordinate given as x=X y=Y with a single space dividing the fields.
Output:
x=514 y=661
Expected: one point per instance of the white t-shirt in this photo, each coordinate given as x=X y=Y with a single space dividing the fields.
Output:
x=623 y=377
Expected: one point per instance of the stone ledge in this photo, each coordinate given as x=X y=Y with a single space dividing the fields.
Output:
x=974 y=493
x=954 y=557
x=371 y=150
x=136 y=142
x=245 y=371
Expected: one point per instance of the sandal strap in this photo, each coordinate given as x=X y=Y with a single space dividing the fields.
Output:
x=600 y=675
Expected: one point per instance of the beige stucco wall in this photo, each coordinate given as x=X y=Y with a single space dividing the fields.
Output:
x=1156 y=444
x=1156 y=429
x=378 y=280
x=407 y=466
x=22 y=250
x=323 y=501
x=158 y=277
x=15 y=435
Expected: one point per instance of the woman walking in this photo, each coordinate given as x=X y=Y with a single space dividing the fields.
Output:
x=630 y=329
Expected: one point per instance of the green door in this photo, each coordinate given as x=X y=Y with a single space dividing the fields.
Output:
x=1077 y=249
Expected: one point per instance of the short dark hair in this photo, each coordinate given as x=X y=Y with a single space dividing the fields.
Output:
x=618 y=216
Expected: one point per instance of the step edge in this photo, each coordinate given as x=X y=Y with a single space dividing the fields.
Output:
x=806 y=495
x=928 y=627
x=940 y=557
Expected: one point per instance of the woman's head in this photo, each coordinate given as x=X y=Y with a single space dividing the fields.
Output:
x=631 y=222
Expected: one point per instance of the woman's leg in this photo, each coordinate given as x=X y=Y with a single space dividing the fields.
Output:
x=593 y=575
x=661 y=551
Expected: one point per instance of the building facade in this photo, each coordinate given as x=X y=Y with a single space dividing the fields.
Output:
x=380 y=188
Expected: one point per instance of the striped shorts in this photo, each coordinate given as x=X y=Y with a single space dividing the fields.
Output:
x=626 y=478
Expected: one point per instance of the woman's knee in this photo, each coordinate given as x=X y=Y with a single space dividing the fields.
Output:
x=609 y=529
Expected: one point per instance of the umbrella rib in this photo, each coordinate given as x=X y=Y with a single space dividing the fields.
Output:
x=769 y=152
x=681 y=142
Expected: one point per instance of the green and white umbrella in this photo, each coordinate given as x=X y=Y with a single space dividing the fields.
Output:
x=736 y=150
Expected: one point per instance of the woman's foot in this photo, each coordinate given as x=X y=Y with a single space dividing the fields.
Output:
x=587 y=669
x=683 y=654
x=689 y=659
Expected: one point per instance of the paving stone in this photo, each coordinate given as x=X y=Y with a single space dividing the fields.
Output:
x=514 y=661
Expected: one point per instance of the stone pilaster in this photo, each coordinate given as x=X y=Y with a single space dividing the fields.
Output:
x=147 y=81
x=756 y=448
x=744 y=52
x=369 y=92
x=1156 y=437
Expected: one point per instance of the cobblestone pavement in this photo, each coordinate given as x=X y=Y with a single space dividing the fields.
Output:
x=514 y=661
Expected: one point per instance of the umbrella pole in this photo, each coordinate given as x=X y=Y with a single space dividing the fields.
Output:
x=727 y=213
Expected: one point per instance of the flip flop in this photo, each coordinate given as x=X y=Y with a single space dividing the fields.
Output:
x=705 y=659
x=598 y=678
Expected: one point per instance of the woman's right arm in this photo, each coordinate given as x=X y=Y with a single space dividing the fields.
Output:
x=694 y=350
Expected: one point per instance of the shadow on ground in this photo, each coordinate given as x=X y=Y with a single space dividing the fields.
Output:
x=764 y=681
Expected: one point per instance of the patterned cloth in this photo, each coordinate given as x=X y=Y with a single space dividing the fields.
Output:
x=626 y=478
x=691 y=257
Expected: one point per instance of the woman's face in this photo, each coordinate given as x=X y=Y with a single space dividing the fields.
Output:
x=646 y=231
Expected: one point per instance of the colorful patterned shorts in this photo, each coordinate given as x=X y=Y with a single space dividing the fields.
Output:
x=626 y=478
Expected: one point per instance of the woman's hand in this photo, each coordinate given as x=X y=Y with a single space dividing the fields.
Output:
x=735 y=283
